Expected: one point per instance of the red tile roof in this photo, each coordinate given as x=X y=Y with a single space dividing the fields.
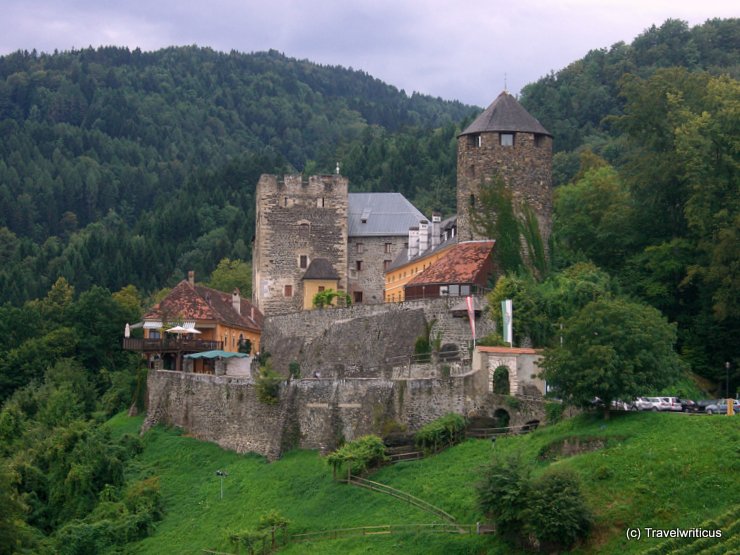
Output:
x=460 y=264
x=203 y=303
x=509 y=350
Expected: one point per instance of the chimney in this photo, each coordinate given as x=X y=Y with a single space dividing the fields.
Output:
x=236 y=301
x=423 y=236
x=413 y=242
x=436 y=219
x=252 y=314
x=191 y=277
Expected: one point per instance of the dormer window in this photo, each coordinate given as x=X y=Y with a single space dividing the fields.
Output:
x=507 y=139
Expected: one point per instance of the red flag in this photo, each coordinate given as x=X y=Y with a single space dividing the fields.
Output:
x=471 y=315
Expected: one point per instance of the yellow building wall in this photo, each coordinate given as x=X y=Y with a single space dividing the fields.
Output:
x=311 y=287
x=230 y=338
x=396 y=279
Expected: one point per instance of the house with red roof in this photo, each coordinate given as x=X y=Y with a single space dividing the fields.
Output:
x=196 y=319
x=463 y=269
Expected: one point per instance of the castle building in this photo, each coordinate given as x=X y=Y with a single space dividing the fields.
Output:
x=313 y=235
x=505 y=141
x=297 y=222
x=378 y=231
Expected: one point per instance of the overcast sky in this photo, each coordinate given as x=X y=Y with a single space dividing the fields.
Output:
x=457 y=49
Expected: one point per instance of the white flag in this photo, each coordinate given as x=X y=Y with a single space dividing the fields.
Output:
x=507 y=313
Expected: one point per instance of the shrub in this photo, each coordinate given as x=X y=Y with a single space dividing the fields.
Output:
x=422 y=349
x=503 y=495
x=554 y=412
x=294 y=368
x=250 y=539
x=512 y=402
x=272 y=522
x=442 y=432
x=267 y=384
x=556 y=512
x=361 y=454
x=547 y=513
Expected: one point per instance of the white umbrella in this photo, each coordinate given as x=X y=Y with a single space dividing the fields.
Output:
x=182 y=330
x=127 y=331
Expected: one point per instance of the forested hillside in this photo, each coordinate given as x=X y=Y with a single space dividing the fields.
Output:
x=121 y=170
x=122 y=167
x=648 y=174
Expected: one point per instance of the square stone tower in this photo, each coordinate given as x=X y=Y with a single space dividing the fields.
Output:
x=297 y=221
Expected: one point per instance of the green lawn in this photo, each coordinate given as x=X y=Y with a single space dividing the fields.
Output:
x=658 y=470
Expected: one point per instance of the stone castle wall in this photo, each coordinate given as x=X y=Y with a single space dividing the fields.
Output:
x=526 y=168
x=315 y=413
x=364 y=335
x=294 y=218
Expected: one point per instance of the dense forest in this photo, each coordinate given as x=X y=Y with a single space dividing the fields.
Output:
x=122 y=167
x=120 y=170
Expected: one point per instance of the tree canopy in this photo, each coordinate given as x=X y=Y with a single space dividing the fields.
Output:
x=612 y=349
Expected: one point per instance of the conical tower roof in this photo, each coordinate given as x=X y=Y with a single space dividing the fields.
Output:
x=505 y=114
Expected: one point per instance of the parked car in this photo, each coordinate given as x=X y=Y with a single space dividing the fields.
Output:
x=704 y=403
x=721 y=407
x=671 y=404
x=647 y=403
x=618 y=404
x=687 y=405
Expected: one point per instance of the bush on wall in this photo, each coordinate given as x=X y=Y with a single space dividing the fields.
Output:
x=359 y=455
x=442 y=432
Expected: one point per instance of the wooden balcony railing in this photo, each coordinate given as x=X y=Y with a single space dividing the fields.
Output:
x=170 y=344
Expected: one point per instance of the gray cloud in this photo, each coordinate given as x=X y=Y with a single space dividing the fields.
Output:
x=448 y=48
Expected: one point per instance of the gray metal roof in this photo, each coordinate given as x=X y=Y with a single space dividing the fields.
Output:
x=378 y=214
x=505 y=114
x=403 y=256
x=320 y=268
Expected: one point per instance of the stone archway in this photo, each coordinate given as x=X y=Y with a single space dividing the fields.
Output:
x=501 y=364
x=500 y=380
x=502 y=418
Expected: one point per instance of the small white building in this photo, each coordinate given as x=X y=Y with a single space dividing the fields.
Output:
x=520 y=365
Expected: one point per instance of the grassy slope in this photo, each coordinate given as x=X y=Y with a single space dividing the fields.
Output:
x=659 y=470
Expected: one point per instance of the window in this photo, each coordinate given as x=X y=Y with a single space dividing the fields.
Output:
x=472 y=200
x=304 y=230
x=386 y=264
x=507 y=139
x=442 y=290
x=475 y=141
x=358 y=265
x=388 y=247
x=154 y=334
x=360 y=248
x=357 y=297
x=321 y=288
x=465 y=290
x=303 y=261
x=320 y=202
x=288 y=291
x=454 y=290
x=285 y=201
x=539 y=140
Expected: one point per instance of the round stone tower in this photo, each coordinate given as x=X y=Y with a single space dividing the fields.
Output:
x=505 y=141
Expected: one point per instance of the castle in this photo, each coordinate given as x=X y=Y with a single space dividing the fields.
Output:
x=313 y=235
x=357 y=373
